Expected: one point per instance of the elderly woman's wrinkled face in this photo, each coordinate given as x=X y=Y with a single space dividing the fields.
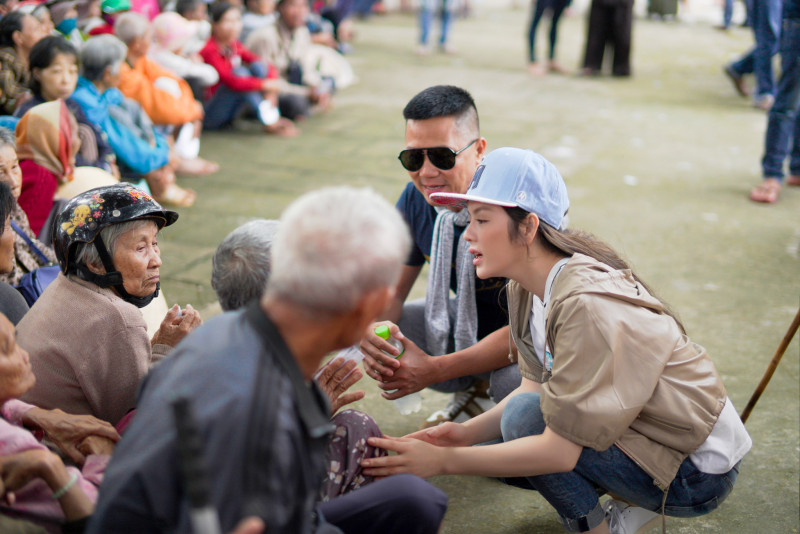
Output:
x=137 y=258
x=10 y=173
x=16 y=376
x=7 y=254
x=30 y=34
x=59 y=79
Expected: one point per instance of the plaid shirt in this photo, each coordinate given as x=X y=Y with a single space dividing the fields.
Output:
x=14 y=78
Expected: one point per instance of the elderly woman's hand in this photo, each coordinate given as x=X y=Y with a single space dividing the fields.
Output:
x=176 y=325
x=69 y=431
x=335 y=378
x=96 y=445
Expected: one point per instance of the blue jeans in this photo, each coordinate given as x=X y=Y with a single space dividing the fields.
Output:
x=426 y=12
x=765 y=18
x=574 y=494
x=223 y=107
x=783 y=126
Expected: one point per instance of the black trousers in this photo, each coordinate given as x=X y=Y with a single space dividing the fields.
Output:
x=610 y=24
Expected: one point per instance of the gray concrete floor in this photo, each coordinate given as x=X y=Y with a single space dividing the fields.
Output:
x=658 y=165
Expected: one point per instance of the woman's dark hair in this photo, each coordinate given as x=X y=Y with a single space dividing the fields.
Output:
x=10 y=23
x=569 y=242
x=6 y=205
x=185 y=6
x=217 y=10
x=44 y=52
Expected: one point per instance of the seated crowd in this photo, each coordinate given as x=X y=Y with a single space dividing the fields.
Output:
x=140 y=80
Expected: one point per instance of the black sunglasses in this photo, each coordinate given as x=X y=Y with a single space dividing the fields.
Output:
x=441 y=157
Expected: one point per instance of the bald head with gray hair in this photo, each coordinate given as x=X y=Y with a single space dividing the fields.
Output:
x=99 y=53
x=241 y=265
x=335 y=245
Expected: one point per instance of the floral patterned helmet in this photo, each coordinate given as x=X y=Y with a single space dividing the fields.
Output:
x=82 y=219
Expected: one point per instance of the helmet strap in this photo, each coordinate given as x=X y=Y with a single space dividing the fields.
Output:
x=112 y=278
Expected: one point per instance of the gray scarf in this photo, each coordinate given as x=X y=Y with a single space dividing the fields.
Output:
x=437 y=318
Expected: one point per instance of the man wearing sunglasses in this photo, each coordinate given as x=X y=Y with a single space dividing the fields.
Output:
x=451 y=344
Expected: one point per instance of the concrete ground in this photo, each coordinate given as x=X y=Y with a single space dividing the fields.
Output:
x=659 y=165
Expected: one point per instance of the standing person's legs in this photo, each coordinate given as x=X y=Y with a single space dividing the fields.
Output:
x=538 y=11
x=447 y=7
x=400 y=504
x=596 y=37
x=557 y=9
x=794 y=158
x=767 y=29
x=782 y=124
x=727 y=14
x=622 y=27
x=426 y=9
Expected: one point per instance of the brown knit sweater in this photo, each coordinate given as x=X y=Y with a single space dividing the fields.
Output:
x=89 y=349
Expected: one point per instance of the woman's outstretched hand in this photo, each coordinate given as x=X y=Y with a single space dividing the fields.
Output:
x=413 y=456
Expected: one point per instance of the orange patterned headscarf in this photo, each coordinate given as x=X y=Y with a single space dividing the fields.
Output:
x=48 y=134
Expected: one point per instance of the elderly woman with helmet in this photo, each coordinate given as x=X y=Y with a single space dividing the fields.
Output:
x=86 y=337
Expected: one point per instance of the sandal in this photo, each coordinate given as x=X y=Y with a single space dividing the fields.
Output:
x=767 y=191
x=174 y=195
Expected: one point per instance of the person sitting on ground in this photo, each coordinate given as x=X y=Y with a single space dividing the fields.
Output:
x=615 y=398
x=54 y=74
x=452 y=345
x=165 y=97
x=29 y=252
x=140 y=150
x=257 y=13
x=47 y=141
x=18 y=33
x=106 y=241
x=248 y=376
x=34 y=481
x=65 y=20
x=239 y=276
x=287 y=45
x=196 y=12
x=12 y=303
x=244 y=79
x=171 y=35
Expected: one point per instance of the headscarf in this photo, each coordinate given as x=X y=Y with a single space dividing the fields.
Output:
x=171 y=31
x=48 y=135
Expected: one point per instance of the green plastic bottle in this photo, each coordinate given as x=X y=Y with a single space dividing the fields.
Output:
x=412 y=402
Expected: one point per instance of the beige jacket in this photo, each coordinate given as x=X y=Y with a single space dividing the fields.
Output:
x=623 y=372
x=278 y=45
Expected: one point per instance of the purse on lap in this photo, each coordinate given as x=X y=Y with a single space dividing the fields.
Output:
x=33 y=284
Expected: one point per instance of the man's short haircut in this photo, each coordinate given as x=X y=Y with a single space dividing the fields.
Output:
x=445 y=101
x=241 y=265
x=334 y=246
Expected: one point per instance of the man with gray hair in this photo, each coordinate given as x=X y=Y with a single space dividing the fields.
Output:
x=248 y=375
x=241 y=265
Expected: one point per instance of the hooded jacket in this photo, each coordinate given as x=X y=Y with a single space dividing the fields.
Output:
x=623 y=373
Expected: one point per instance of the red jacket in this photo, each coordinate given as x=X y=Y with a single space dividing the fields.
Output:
x=223 y=60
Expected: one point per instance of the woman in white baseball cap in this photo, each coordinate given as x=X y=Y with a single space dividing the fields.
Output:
x=614 y=398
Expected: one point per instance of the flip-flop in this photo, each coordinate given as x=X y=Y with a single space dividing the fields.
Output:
x=766 y=192
x=174 y=195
